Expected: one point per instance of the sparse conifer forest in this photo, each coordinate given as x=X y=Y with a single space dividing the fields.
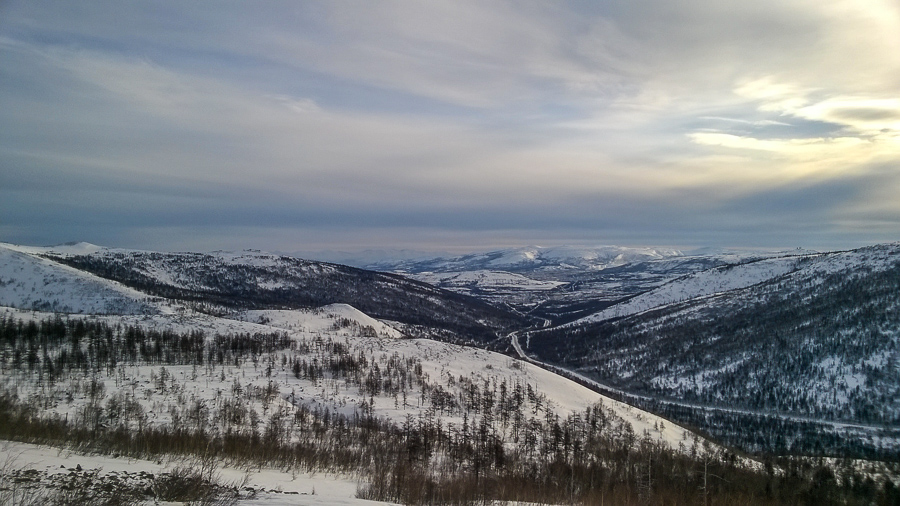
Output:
x=245 y=398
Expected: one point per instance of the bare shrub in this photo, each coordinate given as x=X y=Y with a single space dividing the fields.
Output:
x=195 y=481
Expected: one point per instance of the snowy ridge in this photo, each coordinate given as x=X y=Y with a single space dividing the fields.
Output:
x=810 y=268
x=485 y=280
x=180 y=270
x=70 y=248
x=701 y=284
x=28 y=281
x=326 y=318
x=232 y=281
x=528 y=259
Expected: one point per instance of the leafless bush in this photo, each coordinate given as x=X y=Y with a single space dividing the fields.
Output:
x=22 y=486
x=14 y=491
x=196 y=481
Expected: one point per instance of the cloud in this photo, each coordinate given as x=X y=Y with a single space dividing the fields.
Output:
x=867 y=117
x=624 y=120
x=759 y=123
x=854 y=133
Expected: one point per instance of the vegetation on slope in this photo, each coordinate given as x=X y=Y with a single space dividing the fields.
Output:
x=823 y=348
x=278 y=282
x=587 y=457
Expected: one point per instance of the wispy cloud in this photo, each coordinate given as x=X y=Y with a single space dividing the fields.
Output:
x=607 y=122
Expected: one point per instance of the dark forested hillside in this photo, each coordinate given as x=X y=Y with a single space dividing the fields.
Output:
x=817 y=343
x=257 y=281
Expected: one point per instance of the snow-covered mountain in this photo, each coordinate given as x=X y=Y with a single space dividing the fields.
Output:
x=699 y=284
x=527 y=259
x=30 y=281
x=812 y=337
x=810 y=268
x=224 y=281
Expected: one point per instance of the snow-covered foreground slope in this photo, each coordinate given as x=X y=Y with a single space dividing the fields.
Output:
x=326 y=319
x=28 y=281
x=439 y=365
x=41 y=469
x=319 y=383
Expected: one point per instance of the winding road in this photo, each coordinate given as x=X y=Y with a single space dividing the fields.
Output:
x=604 y=389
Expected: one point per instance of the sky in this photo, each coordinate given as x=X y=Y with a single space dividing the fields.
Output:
x=450 y=125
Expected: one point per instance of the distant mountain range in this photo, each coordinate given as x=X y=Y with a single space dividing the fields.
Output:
x=524 y=259
x=784 y=352
x=528 y=259
x=561 y=283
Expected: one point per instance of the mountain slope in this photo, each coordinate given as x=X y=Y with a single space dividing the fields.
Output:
x=30 y=282
x=253 y=280
x=449 y=379
x=528 y=259
x=818 y=336
x=707 y=282
x=307 y=391
x=563 y=284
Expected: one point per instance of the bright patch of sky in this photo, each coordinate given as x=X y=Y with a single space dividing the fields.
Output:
x=447 y=125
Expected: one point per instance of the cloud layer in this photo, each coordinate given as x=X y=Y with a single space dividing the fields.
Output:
x=278 y=125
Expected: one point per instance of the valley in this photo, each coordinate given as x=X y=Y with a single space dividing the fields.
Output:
x=550 y=381
x=803 y=343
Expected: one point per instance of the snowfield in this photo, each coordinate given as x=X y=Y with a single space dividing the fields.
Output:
x=810 y=268
x=441 y=363
x=485 y=280
x=28 y=281
x=260 y=486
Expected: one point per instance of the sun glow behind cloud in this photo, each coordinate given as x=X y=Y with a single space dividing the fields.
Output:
x=863 y=132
